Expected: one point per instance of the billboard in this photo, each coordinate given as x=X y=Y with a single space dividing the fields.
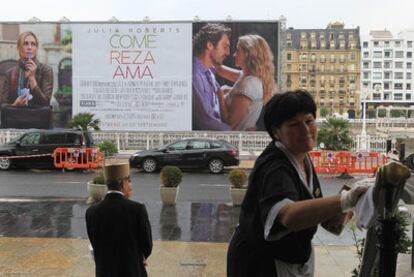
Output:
x=136 y=76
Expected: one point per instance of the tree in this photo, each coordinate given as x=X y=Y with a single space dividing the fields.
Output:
x=335 y=134
x=323 y=111
x=85 y=121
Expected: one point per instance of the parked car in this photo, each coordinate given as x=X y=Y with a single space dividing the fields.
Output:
x=188 y=153
x=41 y=142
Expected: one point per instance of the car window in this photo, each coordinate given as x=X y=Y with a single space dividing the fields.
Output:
x=30 y=139
x=54 y=139
x=198 y=144
x=181 y=145
x=73 y=139
x=215 y=144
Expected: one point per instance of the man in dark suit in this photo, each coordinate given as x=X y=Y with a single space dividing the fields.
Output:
x=118 y=228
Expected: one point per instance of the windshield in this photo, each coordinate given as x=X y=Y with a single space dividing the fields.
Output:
x=13 y=141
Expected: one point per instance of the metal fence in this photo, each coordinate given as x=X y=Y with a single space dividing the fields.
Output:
x=245 y=141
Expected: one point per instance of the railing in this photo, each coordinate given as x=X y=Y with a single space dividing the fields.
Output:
x=245 y=141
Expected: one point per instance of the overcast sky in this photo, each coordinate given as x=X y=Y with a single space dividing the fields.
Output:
x=394 y=15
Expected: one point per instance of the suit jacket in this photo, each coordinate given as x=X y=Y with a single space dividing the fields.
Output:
x=120 y=234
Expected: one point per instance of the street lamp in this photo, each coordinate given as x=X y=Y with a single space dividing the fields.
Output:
x=364 y=140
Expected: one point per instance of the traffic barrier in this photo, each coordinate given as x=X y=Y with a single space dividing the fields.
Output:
x=73 y=158
x=338 y=162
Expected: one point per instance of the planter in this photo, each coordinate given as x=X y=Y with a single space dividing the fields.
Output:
x=96 y=192
x=237 y=195
x=168 y=195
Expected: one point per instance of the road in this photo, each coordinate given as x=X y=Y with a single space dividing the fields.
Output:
x=196 y=187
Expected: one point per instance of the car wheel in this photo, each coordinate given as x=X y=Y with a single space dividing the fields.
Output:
x=215 y=166
x=149 y=165
x=5 y=163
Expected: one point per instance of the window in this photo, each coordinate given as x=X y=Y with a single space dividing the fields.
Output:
x=399 y=54
x=398 y=86
x=365 y=85
x=332 y=58
x=353 y=56
x=289 y=56
x=376 y=43
x=408 y=86
x=386 y=85
x=377 y=54
x=409 y=54
x=387 y=64
x=398 y=75
x=408 y=65
x=351 y=67
x=409 y=43
x=398 y=96
x=214 y=144
x=365 y=65
x=408 y=96
x=377 y=64
x=289 y=44
x=322 y=58
x=289 y=66
x=376 y=75
x=366 y=55
x=30 y=139
x=366 y=75
x=408 y=77
x=397 y=43
x=387 y=75
x=313 y=57
x=197 y=144
x=342 y=58
x=398 y=64
x=387 y=54
x=386 y=43
x=181 y=145
x=365 y=44
x=54 y=139
x=303 y=57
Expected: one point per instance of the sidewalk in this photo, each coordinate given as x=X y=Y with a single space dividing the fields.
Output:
x=70 y=257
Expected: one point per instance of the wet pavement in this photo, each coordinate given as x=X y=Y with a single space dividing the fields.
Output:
x=186 y=221
x=47 y=237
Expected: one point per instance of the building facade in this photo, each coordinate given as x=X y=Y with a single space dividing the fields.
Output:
x=387 y=70
x=326 y=62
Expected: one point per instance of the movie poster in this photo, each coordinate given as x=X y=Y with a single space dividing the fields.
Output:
x=133 y=76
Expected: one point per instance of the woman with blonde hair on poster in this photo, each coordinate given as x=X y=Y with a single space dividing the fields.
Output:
x=254 y=85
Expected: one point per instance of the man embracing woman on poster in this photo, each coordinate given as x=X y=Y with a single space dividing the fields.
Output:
x=241 y=105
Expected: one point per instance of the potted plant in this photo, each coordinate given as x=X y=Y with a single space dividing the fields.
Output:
x=97 y=188
x=108 y=147
x=170 y=178
x=238 y=179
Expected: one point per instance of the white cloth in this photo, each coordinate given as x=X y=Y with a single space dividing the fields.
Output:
x=307 y=269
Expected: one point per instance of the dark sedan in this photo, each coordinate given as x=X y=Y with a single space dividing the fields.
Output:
x=188 y=153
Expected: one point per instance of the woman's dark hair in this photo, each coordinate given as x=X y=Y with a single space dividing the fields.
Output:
x=284 y=106
x=212 y=32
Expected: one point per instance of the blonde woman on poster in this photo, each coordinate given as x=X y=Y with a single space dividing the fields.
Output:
x=30 y=83
x=242 y=104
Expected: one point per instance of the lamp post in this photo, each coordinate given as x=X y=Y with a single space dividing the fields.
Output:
x=364 y=140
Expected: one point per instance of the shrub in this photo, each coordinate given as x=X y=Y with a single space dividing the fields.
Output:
x=99 y=178
x=170 y=176
x=238 y=178
x=108 y=147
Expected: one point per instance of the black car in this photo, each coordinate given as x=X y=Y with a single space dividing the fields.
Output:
x=188 y=153
x=32 y=148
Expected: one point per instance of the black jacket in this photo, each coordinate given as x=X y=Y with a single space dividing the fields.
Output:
x=120 y=234
x=273 y=179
